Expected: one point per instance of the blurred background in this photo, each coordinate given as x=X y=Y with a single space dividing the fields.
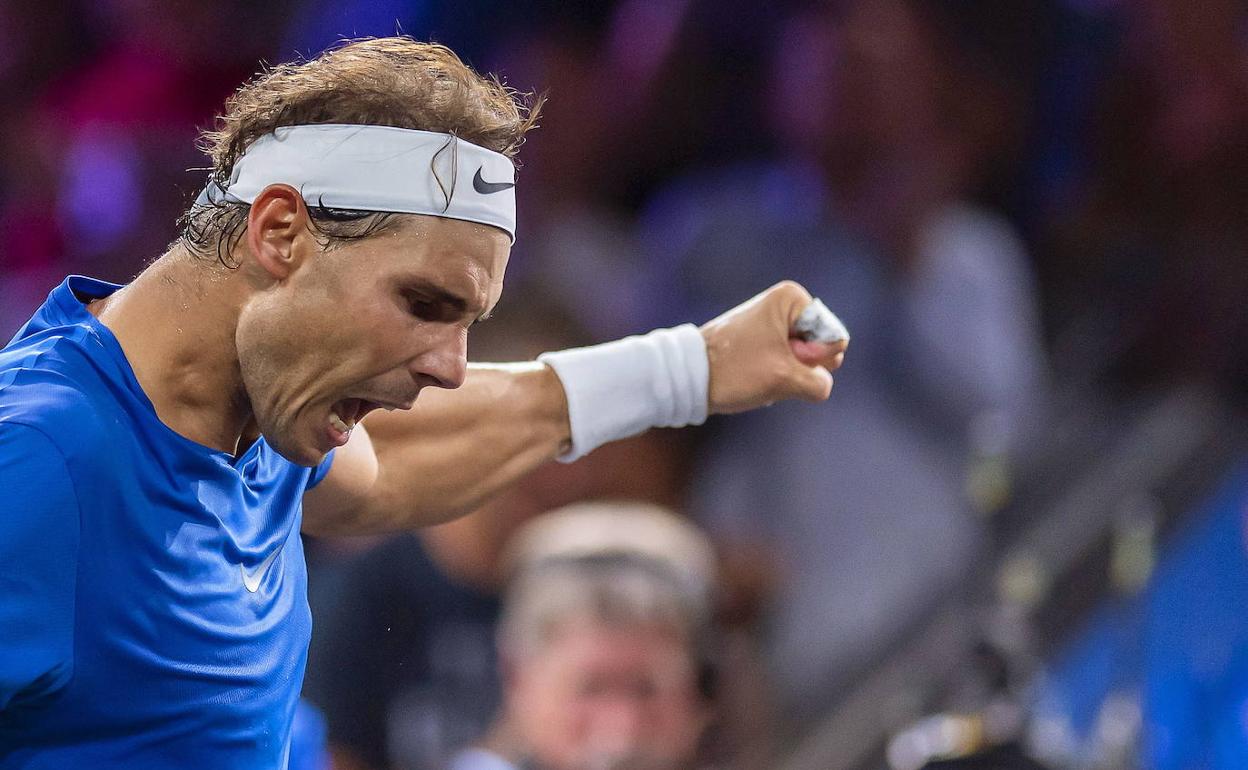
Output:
x=1015 y=536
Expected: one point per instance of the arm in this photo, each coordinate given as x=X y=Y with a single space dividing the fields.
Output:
x=38 y=566
x=456 y=449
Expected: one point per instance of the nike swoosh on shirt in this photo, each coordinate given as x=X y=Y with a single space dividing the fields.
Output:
x=251 y=581
x=488 y=188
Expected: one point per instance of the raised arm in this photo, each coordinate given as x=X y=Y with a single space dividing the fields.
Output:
x=455 y=449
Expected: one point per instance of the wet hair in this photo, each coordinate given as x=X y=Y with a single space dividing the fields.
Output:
x=392 y=81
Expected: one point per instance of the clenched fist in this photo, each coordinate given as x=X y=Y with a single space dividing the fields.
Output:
x=755 y=359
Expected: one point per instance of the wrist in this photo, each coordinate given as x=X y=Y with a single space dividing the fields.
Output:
x=715 y=351
x=554 y=408
x=622 y=388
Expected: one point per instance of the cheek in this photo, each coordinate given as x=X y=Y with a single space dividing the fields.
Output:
x=286 y=329
x=375 y=311
x=290 y=352
x=354 y=340
x=267 y=343
x=547 y=700
x=679 y=721
x=555 y=722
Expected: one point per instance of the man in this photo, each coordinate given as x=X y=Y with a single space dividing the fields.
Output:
x=605 y=643
x=163 y=444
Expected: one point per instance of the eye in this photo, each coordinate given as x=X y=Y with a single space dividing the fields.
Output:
x=423 y=308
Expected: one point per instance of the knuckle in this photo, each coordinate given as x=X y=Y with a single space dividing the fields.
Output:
x=792 y=289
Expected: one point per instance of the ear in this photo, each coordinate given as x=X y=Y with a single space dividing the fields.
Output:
x=277 y=229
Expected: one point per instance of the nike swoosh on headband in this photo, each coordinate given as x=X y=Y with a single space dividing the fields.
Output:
x=487 y=188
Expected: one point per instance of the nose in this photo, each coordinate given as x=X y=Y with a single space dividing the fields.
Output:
x=445 y=363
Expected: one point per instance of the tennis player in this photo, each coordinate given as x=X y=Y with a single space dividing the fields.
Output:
x=163 y=444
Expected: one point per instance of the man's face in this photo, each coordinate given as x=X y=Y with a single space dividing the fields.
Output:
x=597 y=697
x=364 y=326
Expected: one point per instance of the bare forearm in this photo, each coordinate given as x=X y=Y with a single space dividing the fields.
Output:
x=456 y=449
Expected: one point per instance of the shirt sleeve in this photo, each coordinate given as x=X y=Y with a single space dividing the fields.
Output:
x=39 y=539
x=321 y=471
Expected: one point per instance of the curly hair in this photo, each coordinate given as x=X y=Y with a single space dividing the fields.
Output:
x=391 y=81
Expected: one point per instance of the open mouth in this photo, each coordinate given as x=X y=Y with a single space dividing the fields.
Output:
x=347 y=413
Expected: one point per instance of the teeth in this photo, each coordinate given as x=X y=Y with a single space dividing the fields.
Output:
x=339 y=424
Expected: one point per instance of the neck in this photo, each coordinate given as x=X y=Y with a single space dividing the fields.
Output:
x=176 y=324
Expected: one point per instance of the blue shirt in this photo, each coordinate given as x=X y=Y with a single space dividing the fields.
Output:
x=153 y=607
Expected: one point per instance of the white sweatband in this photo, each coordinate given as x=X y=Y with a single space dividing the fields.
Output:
x=622 y=388
x=378 y=168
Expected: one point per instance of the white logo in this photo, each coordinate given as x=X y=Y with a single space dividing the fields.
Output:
x=252 y=580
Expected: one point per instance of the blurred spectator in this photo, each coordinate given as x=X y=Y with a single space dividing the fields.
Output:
x=639 y=90
x=887 y=121
x=606 y=643
x=402 y=659
x=125 y=121
x=922 y=109
x=402 y=663
x=577 y=240
x=1151 y=241
x=96 y=155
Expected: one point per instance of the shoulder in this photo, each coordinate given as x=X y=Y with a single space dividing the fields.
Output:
x=24 y=446
x=479 y=759
x=37 y=438
x=46 y=385
x=34 y=474
x=974 y=243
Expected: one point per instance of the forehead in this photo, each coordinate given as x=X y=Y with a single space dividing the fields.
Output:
x=590 y=644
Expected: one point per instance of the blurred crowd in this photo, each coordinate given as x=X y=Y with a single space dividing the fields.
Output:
x=1005 y=201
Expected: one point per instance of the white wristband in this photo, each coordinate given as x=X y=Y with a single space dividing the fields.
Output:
x=622 y=388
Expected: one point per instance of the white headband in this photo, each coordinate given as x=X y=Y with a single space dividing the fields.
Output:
x=378 y=168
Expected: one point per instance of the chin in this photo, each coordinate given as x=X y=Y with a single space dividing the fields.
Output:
x=288 y=445
x=308 y=458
